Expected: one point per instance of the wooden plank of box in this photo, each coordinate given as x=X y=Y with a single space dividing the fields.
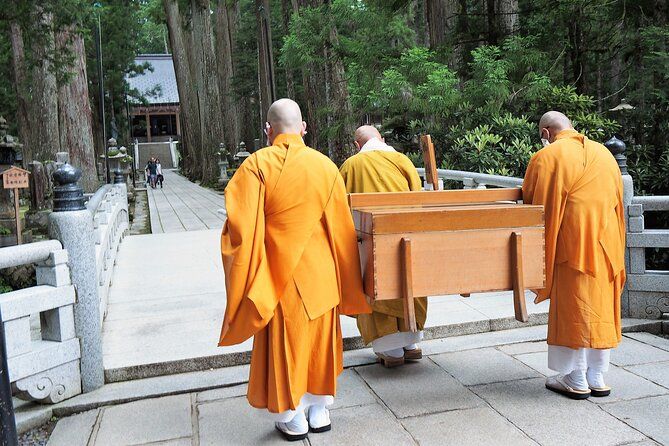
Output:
x=434 y=198
x=455 y=250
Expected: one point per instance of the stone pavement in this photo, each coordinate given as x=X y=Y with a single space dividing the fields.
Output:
x=167 y=301
x=471 y=390
x=181 y=205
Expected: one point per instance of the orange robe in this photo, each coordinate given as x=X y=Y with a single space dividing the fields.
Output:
x=383 y=171
x=291 y=266
x=579 y=184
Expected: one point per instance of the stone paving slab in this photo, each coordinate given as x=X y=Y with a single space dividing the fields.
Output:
x=418 y=388
x=647 y=338
x=468 y=366
x=626 y=385
x=551 y=419
x=233 y=422
x=657 y=372
x=475 y=427
x=632 y=352
x=649 y=415
x=370 y=425
x=74 y=430
x=146 y=421
x=524 y=347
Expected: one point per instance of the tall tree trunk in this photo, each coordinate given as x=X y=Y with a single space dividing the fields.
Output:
x=340 y=103
x=209 y=98
x=266 y=77
x=577 y=51
x=190 y=117
x=288 y=7
x=507 y=17
x=441 y=18
x=20 y=87
x=226 y=20
x=76 y=131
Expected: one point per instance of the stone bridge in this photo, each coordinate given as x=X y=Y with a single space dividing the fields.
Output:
x=151 y=305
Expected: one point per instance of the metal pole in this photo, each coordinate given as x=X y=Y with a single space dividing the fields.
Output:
x=101 y=92
x=7 y=423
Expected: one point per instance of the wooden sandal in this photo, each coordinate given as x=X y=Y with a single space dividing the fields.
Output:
x=413 y=354
x=600 y=391
x=557 y=385
x=388 y=361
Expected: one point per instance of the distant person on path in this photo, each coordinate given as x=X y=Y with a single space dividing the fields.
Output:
x=379 y=168
x=159 y=173
x=291 y=267
x=579 y=184
x=151 y=170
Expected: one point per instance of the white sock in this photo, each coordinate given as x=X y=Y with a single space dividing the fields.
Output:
x=298 y=423
x=595 y=379
x=411 y=347
x=394 y=353
x=319 y=416
x=576 y=379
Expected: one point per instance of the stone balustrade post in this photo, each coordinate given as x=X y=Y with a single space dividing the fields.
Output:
x=617 y=149
x=72 y=224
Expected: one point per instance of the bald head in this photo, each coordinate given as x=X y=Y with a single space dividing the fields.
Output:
x=284 y=116
x=552 y=123
x=364 y=134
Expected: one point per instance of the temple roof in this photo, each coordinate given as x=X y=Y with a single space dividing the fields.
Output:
x=162 y=75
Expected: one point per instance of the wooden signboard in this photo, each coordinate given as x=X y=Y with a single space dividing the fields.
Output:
x=15 y=178
x=449 y=242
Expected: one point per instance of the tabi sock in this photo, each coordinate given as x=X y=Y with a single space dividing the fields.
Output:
x=411 y=347
x=319 y=416
x=595 y=379
x=576 y=380
x=298 y=423
x=394 y=353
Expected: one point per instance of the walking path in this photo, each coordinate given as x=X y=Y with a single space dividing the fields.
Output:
x=167 y=301
x=183 y=206
x=483 y=389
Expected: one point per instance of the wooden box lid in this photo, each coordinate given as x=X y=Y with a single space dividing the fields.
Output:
x=400 y=219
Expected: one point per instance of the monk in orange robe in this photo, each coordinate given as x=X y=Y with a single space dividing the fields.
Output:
x=291 y=267
x=377 y=167
x=579 y=184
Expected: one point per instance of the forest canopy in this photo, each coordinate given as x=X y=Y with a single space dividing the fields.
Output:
x=475 y=74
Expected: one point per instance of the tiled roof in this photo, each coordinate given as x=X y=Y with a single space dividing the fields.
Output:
x=162 y=74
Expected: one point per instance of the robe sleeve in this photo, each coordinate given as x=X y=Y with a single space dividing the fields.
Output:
x=544 y=185
x=344 y=243
x=411 y=174
x=345 y=170
x=244 y=257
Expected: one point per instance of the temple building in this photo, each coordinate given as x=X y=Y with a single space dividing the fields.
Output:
x=158 y=119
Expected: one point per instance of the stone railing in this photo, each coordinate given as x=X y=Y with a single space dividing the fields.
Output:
x=647 y=290
x=646 y=293
x=43 y=352
x=475 y=180
x=109 y=208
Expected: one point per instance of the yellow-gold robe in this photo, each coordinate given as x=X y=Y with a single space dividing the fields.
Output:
x=383 y=171
x=579 y=184
x=291 y=267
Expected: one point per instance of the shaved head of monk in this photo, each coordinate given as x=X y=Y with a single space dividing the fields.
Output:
x=284 y=116
x=364 y=134
x=552 y=123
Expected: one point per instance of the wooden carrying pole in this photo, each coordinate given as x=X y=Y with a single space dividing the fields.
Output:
x=430 y=162
x=519 y=306
x=407 y=285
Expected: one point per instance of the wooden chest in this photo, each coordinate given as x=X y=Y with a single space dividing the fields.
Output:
x=458 y=242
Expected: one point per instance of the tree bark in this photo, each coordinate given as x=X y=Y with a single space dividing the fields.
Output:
x=206 y=82
x=288 y=7
x=266 y=75
x=190 y=117
x=226 y=19
x=76 y=129
x=340 y=103
x=507 y=17
x=20 y=87
x=441 y=16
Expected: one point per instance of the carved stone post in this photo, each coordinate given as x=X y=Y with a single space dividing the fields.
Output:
x=72 y=224
x=617 y=148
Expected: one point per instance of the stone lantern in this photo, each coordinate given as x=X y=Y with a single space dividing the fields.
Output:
x=242 y=154
x=223 y=164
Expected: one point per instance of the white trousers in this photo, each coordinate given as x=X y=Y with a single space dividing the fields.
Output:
x=565 y=360
x=307 y=400
x=395 y=341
